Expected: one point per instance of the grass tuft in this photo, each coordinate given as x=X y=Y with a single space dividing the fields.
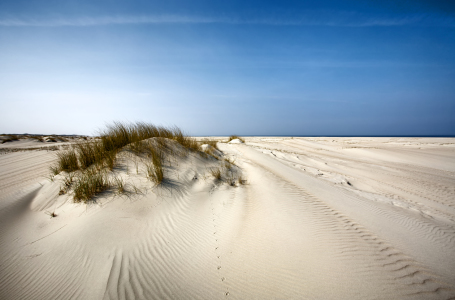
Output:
x=155 y=170
x=210 y=142
x=216 y=172
x=66 y=161
x=90 y=183
x=119 y=185
x=233 y=137
x=10 y=138
x=91 y=158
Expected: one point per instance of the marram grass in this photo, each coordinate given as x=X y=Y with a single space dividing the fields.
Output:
x=89 y=161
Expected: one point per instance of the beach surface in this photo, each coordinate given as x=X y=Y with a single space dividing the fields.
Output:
x=317 y=218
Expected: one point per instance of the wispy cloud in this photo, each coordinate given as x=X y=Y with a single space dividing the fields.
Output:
x=345 y=19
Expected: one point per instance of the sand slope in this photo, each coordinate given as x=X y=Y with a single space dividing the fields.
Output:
x=320 y=218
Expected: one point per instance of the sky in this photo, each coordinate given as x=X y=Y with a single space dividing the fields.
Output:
x=308 y=68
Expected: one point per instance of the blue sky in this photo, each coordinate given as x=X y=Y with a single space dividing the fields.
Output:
x=229 y=67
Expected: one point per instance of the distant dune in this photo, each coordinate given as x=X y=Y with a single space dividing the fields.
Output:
x=287 y=218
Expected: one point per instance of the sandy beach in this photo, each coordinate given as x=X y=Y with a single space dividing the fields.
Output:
x=317 y=218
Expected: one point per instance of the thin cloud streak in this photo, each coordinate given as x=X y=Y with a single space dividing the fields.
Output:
x=344 y=19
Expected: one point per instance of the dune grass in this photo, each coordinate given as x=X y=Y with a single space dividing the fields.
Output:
x=154 y=168
x=233 y=137
x=89 y=163
x=119 y=184
x=211 y=142
x=91 y=158
x=10 y=138
x=37 y=138
x=209 y=151
x=103 y=151
x=66 y=161
x=216 y=173
x=90 y=183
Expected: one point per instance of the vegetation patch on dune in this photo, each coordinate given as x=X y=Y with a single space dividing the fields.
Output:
x=89 y=164
x=236 y=137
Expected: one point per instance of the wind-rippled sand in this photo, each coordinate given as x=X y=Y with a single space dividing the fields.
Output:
x=319 y=218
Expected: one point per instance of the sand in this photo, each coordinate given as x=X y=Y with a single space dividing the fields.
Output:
x=319 y=218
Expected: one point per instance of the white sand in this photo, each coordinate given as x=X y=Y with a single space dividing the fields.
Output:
x=320 y=218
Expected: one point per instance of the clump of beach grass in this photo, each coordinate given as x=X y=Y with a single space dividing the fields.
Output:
x=90 y=162
x=103 y=151
x=233 y=137
x=210 y=142
x=216 y=173
x=154 y=168
x=119 y=184
x=90 y=183
x=10 y=138
x=209 y=151
x=66 y=161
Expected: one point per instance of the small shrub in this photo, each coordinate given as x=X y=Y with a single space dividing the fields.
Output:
x=155 y=170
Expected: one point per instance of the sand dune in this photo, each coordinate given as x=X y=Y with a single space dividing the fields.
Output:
x=319 y=218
